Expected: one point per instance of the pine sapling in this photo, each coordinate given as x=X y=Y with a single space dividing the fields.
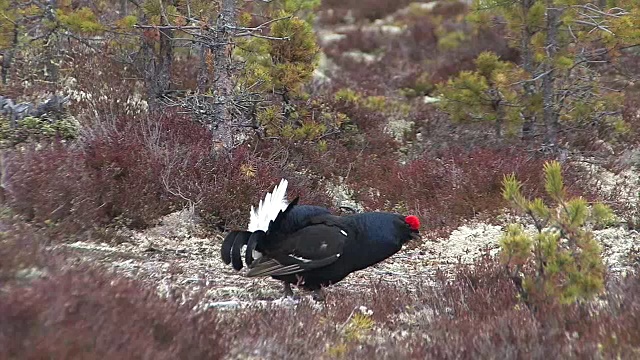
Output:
x=562 y=260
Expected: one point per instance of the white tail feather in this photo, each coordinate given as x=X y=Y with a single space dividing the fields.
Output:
x=269 y=207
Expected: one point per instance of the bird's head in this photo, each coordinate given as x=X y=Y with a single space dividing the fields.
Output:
x=387 y=227
x=414 y=225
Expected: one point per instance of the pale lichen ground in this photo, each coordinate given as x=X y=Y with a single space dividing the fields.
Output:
x=176 y=257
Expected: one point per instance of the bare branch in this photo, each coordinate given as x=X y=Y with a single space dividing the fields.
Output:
x=286 y=38
x=531 y=80
x=168 y=27
x=259 y=27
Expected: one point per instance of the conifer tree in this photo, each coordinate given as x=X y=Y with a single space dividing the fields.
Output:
x=562 y=45
x=484 y=94
x=280 y=68
x=562 y=259
x=39 y=27
x=246 y=53
x=250 y=51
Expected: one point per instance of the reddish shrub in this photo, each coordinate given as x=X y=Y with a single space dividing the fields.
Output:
x=104 y=88
x=334 y=11
x=415 y=51
x=577 y=330
x=475 y=314
x=225 y=188
x=20 y=248
x=443 y=189
x=87 y=314
x=42 y=181
x=444 y=185
x=185 y=72
x=470 y=312
x=487 y=291
x=419 y=42
x=276 y=332
x=360 y=39
x=386 y=301
x=138 y=169
x=114 y=175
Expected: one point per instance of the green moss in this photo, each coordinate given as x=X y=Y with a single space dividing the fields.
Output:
x=375 y=103
x=34 y=129
x=347 y=95
x=451 y=40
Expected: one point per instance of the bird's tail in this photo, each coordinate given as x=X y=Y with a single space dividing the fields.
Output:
x=281 y=216
x=254 y=241
x=232 y=246
x=269 y=208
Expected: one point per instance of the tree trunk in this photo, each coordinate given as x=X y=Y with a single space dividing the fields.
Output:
x=7 y=57
x=203 y=71
x=165 y=60
x=548 y=80
x=498 y=108
x=51 y=46
x=221 y=50
x=528 y=114
x=157 y=65
x=500 y=115
x=148 y=59
x=286 y=104
x=3 y=179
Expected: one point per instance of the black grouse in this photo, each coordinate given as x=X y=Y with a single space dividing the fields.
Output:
x=310 y=247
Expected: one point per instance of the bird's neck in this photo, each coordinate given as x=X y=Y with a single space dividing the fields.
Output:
x=376 y=236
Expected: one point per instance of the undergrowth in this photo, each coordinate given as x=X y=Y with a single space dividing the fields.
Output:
x=372 y=129
x=88 y=312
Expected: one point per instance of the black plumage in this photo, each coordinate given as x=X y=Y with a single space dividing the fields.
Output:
x=312 y=248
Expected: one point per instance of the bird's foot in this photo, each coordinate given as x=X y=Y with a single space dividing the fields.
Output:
x=319 y=295
x=288 y=293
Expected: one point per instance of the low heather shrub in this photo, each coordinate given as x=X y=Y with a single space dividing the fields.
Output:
x=334 y=11
x=466 y=312
x=434 y=44
x=134 y=170
x=21 y=248
x=70 y=188
x=475 y=314
x=443 y=189
x=88 y=314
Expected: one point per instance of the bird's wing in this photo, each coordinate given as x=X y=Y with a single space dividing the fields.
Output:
x=313 y=247
x=273 y=267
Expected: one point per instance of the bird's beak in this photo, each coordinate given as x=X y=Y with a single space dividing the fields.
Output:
x=415 y=235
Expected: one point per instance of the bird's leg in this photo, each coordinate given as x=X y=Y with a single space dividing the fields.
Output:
x=319 y=295
x=287 y=289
